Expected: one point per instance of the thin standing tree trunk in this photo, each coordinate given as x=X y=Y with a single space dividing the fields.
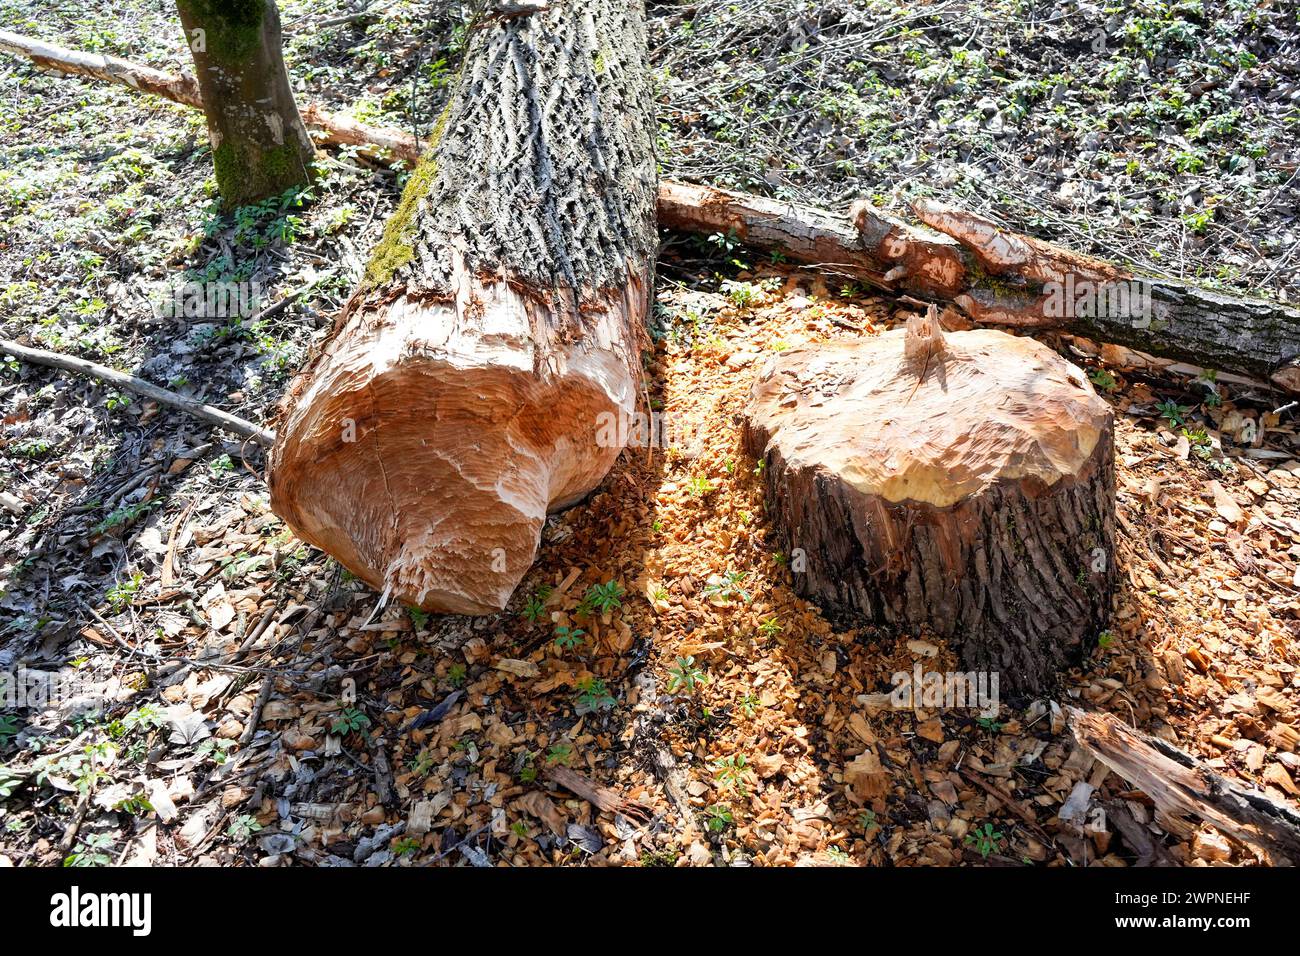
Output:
x=260 y=146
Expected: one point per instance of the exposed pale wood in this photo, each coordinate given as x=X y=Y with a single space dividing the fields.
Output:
x=460 y=397
x=961 y=483
x=1207 y=327
x=139 y=386
x=1185 y=791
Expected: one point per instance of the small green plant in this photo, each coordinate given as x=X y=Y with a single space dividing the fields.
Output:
x=1102 y=379
x=242 y=828
x=1173 y=413
x=406 y=846
x=728 y=588
x=719 y=818
x=124 y=515
x=212 y=748
x=137 y=805
x=520 y=829
x=33 y=448
x=1106 y=640
x=743 y=295
x=837 y=856
x=421 y=764
x=567 y=638
x=867 y=821
x=456 y=674
x=593 y=695
x=685 y=675
x=534 y=610
x=729 y=772
x=604 y=597
x=989 y=724
x=8 y=728
x=419 y=618
x=770 y=628
x=349 y=720
x=123 y=593
x=559 y=753
x=1200 y=441
x=528 y=772
x=984 y=839
x=749 y=704
x=93 y=851
x=145 y=717
x=699 y=486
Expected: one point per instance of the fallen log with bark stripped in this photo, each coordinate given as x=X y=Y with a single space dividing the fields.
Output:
x=1186 y=792
x=996 y=276
x=461 y=394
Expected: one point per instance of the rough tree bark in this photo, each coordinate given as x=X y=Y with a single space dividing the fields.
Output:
x=962 y=483
x=260 y=146
x=463 y=391
x=998 y=277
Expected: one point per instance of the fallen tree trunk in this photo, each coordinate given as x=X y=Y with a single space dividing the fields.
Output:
x=962 y=483
x=461 y=395
x=1037 y=285
x=996 y=276
x=331 y=128
x=999 y=277
x=1185 y=791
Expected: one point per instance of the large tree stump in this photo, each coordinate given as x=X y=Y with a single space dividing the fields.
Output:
x=960 y=482
x=462 y=393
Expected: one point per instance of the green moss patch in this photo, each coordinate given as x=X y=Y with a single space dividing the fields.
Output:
x=233 y=27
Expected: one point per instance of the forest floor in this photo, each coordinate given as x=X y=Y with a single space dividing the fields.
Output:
x=264 y=710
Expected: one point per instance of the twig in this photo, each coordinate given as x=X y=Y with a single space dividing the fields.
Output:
x=263 y=436
x=255 y=715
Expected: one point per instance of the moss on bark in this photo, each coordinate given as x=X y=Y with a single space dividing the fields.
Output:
x=233 y=27
x=271 y=170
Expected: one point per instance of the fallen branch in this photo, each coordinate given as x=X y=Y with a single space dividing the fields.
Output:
x=600 y=797
x=998 y=277
x=215 y=416
x=1184 y=790
x=995 y=276
x=1214 y=329
x=331 y=128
